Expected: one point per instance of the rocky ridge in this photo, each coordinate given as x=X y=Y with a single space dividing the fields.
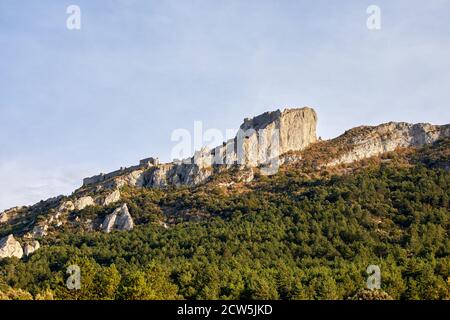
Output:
x=286 y=136
x=259 y=140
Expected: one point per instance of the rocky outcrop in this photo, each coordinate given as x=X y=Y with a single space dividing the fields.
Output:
x=111 y=198
x=55 y=219
x=143 y=165
x=66 y=206
x=4 y=217
x=83 y=202
x=120 y=219
x=364 y=142
x=134 y=178
x=259 y=141
x=7 y=215
x=275 y=133
x=29 y=248
x=39 y=231
x=245 y=175
x=10 y=247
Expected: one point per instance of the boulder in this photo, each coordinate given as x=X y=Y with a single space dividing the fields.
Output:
x=120 y=219
x=10 y=247
x=29 y=248
x=83 y=202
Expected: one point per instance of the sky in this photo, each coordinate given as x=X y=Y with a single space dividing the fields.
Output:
x=74 y=103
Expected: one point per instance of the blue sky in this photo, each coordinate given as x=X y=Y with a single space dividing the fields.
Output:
x=76 y=103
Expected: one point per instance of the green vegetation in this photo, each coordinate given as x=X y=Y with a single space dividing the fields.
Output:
x=284 y=237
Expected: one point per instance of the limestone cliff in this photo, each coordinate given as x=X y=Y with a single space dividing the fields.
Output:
x=259 y=141
x=30 y=248
x=288 y=135
x=364 y=142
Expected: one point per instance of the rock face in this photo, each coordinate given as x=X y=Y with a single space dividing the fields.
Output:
x=372 y=141
x=83 y=202
x=66 y=206
x=111 y=198
x=29 y=248
x=120 y=219
x=259 y=141
x=4 y=217
x=246 y=175
x=10 y=247
x=264 y=138
x=293 y=130
x=40 y=231
x=264 y=141
x=9 y=214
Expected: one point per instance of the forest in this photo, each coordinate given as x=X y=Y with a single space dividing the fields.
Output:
x=288 y=236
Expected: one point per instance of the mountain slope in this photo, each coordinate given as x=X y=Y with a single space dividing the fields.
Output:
x=306 y=232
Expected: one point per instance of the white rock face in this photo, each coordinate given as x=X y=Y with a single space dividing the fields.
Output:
x=134 y=178
x=120 y=219
x=111 y=198
x=83 y=202
x=388 y=137
x=259 y=141
x=10 y=247
x=66 y=206
x=29 y=248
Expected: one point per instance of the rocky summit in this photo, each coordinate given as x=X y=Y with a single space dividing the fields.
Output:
x=120 y=219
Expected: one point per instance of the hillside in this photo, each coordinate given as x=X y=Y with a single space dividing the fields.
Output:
x=373 y=196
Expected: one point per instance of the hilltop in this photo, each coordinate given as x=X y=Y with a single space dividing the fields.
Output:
x=374 y=195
